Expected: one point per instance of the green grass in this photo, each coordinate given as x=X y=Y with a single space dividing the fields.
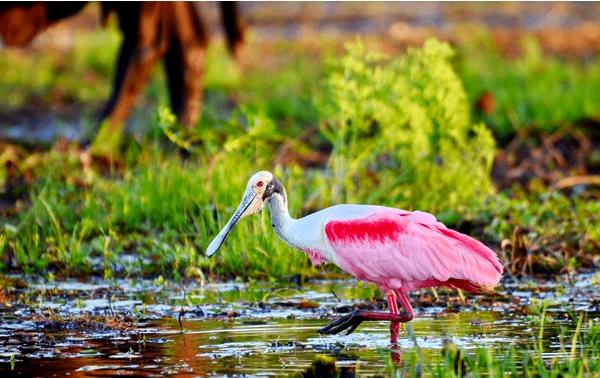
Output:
x=532 y=91
x=161 y=209
x=399 y=129
x=79 y=75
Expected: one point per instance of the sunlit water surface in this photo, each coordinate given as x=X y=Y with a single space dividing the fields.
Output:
x=142 y=328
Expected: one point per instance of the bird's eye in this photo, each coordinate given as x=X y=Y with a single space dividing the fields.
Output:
x=260 y=184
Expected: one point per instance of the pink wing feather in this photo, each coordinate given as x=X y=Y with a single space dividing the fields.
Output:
x=411 y=250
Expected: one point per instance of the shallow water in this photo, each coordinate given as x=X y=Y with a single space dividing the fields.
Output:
x=140 y=328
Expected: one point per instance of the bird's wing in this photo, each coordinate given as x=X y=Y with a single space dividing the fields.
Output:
x=413 y=248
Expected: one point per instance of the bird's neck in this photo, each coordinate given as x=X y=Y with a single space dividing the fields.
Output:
x=281 y=220
x=292 y=231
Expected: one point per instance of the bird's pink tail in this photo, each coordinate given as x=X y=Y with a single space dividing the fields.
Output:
x=487 y=271
x=469 y=286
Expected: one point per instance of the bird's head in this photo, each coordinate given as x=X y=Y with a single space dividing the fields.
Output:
x=261 y=186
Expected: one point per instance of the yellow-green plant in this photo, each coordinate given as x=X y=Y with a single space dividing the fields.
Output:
x=402 y=133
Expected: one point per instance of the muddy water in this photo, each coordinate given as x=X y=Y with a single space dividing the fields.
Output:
x=142 y=328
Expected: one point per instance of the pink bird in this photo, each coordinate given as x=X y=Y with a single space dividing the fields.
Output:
x=395 y=249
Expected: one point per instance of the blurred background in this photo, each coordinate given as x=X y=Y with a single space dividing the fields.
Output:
x=75 y=58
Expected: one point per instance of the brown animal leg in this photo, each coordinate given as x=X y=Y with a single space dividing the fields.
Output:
x=234 y=29
x=175 y=78
x=184 y=62
x=145 y=42
x=128 y=16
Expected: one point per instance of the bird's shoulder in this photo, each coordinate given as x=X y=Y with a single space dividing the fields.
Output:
x=349 y=222
x=369 y=213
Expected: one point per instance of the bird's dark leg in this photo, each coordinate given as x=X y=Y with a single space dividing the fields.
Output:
x=352 y=320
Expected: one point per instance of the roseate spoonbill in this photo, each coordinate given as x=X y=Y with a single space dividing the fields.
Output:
x=397 y=250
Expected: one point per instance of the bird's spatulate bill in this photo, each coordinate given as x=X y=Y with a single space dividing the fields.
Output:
x=214 y=245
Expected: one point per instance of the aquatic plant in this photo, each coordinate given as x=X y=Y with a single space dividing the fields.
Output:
x=577 y=355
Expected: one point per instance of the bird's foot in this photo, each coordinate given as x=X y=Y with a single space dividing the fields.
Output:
x=352 y=320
